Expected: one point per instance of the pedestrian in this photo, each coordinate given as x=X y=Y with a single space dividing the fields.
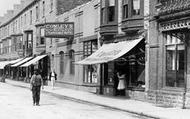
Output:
x=121 y=85
x=36 y=83
x=52 y=78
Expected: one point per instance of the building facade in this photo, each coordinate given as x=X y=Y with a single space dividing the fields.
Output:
x=22 y=33
x=121 y=25
x=86 y=19
x=169 y=53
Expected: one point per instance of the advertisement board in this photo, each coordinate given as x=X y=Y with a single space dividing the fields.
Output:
x=59 y=30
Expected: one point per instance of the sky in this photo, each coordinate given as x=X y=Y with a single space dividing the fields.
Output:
x=7 y=5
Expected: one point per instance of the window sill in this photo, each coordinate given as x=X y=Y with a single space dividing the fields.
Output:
x=132 y=18
x=175 y=89
x=40 y=46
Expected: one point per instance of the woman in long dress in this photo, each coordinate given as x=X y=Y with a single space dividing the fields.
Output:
x=121 y=85
x=52 y=78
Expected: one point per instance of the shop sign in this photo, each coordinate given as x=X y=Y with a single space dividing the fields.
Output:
x=59 y=30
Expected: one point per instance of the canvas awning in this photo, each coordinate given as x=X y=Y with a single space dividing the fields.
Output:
x=110 y=52
x=33 y=61
x=21 y=62
x=4 y=63
x=15 y=61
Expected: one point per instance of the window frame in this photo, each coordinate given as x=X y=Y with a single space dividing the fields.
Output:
x=37 y=13
x=30 y=17
x=173 y=68
x=125 y=9
x=61 y=62
x=43 y=9
x=88 y=50
x=132 y=8
x=72 y=60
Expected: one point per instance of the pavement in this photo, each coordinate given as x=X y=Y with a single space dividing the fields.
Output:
x=146 y=109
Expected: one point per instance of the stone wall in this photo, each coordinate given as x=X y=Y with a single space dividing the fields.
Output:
x=66 y=5
x=168 y=98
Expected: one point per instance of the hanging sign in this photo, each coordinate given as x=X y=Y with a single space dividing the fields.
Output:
x=59 y=30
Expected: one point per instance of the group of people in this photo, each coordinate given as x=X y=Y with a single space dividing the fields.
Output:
x=36 y=83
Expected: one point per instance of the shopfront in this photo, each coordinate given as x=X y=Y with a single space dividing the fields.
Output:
x=126 y=57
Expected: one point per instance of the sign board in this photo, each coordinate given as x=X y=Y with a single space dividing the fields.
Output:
x=59 y=30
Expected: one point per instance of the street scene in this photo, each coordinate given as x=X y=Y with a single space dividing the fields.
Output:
x=95 y=59
x=16 y=103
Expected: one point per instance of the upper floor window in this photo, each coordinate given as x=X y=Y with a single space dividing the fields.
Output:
x=37 y=13
x=111 y=11
x=43 y=8
x=42 y=38
x=107 y=11
x=125 y=9
x=21 y=20
x=51 y=5
x=135 y=7
x=25 y=19
x=30 y=16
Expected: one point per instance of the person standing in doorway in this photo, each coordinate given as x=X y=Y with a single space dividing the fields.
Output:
x=121 y=85
x=52 y=77
x=36 y=83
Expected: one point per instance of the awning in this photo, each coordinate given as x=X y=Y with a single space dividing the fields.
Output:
x=33 y=61
x=110 y=52
x=3 y=64
x=15 y=61
x=21 y=62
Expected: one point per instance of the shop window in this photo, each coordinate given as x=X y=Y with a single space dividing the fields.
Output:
x=175 y=53
x=61 y=62
x=135 y=7
x=125 y=9
x=72 y=60
x=90 y=71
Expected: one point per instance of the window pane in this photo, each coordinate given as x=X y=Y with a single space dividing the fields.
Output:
x=103 y=15
x=125 y=11
x=111 y=13
x=180 y=65
x=170 y=66
x=111 y=2
x=136 y=7
x=103 y=3
x=125 y=2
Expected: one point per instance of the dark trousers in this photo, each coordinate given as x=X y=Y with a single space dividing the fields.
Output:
x=36 y=94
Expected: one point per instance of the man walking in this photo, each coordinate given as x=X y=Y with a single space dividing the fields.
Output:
x=35 y=85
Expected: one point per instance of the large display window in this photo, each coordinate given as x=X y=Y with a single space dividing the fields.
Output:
x=175 y=53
